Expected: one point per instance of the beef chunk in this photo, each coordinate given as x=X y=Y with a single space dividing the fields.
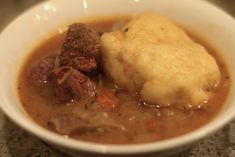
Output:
x=65 y=123
x=71 y=84
x=81 y=41
x=41 y=71
x=79 y=54
x=83 y=64
x=71 y=123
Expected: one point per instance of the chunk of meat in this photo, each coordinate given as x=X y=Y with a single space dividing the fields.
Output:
x=71 y=84
x=42 y=70
x=82 y=44
x=70 y=123
x=65 y=123
x=83 y=64
x=107 y=100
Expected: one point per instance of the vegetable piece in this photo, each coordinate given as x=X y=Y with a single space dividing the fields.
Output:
x=108 y=100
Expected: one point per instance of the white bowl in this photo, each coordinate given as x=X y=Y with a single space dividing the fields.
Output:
x=35 y=25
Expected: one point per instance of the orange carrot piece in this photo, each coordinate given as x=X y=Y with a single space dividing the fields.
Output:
x=108 y=100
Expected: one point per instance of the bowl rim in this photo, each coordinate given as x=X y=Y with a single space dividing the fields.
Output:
x=110 y=148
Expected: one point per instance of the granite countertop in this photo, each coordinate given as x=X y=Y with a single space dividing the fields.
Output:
x=15 y=142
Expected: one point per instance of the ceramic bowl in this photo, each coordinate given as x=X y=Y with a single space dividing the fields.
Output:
x=41 y=21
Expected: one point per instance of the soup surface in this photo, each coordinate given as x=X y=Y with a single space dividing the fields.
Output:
x=112 y=115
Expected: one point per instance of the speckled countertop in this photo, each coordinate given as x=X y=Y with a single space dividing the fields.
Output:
x=15 y=142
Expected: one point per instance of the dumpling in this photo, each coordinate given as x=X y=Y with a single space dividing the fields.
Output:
x=155 y=57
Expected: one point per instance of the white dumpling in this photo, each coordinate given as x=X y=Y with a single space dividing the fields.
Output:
x=154 y=56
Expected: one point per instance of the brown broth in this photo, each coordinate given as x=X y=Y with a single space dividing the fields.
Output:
x=143 y=124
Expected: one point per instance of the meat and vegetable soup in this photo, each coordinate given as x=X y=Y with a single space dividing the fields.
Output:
x=123 y=81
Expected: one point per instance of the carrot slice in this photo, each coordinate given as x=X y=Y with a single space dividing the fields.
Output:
x=108 y=100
